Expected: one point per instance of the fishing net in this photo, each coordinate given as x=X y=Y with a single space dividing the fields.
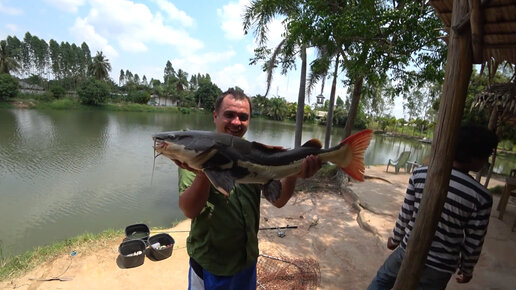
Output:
x=285 y=273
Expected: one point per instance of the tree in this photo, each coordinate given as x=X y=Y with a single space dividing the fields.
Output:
x=93 y=92
x=258 y=15
x=99 y=67
x=277 y=109
x=121 y=78
x=55 y=59
x=206 y=94
x=182 y=80
x=169 y=73
x=374 y=38
x=8 y=63
x=8 y=87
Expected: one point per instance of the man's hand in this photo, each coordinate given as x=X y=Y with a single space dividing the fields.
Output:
x=463 y=278
x=391 y=245
x=310 y=166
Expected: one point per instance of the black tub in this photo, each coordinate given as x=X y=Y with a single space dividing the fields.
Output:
x=161 y=246
x=137 y=232
x=132 y=253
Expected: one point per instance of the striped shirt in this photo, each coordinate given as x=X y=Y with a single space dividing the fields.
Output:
x=459 y=237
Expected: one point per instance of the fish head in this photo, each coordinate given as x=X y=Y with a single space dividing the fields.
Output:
x=190 y=147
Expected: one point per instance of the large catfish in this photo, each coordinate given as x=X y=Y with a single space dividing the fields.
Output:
x=226 y=159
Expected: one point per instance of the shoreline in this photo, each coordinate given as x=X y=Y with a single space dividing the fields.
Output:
x=344 y=229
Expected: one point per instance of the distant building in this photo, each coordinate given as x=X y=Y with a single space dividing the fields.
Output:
x=320 y=115
x=26 y=88
x=156 y=100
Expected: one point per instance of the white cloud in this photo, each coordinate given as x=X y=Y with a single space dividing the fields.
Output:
x=202 y=63
x=12 y=27
x=66 y=5
x=134 y=27
x=96 y=42
x=10 y=10
x=231 y=76
x=174 y=13
x=231 y=16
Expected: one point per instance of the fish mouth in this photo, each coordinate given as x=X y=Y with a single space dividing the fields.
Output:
x=159 y=144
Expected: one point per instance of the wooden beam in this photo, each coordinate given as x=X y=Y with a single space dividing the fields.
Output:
x=457 y=75
x=460 y=26
x=477 y=24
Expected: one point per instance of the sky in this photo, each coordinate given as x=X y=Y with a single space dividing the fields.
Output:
x=203 y=37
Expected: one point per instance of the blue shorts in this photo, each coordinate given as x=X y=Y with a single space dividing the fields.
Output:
x=199 y=278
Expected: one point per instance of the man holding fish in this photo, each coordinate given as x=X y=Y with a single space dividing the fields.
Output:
x=221 y=180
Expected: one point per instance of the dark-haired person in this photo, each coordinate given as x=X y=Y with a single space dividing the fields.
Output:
x=223 y=242
x=459 y=237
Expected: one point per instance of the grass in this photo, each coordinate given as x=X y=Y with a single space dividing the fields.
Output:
x=14 y=266
x=41 y=102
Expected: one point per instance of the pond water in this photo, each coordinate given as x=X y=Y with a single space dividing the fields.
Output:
x=63 y=173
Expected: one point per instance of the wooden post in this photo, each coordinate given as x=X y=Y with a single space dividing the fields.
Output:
x=477 y=25
x=458 y=73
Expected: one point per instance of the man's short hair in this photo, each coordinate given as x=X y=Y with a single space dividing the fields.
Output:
x=237 y=95
x=475 y=142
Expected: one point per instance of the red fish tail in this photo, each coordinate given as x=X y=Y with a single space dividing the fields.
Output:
x=358 y=143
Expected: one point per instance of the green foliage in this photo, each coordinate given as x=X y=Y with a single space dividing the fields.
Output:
x=8 y=87
x=206 y=95
x=277 y=109
x=57 y=91
x=139 y=97
x=61 y=104
x=100 y=67
x=93 y=92
x=506 y=145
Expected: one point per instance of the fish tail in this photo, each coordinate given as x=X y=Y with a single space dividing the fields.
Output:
x=352 y=160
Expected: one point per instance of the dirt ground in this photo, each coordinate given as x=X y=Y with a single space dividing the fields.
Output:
x=344 y=229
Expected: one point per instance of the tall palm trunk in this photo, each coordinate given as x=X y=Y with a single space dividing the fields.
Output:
x=329 y=117
x=301 y=99
x=357 y=91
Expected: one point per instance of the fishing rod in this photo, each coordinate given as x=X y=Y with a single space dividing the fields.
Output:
x=279 y=228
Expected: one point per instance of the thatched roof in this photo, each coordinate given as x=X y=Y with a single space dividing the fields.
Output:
x=493 y=27
x=502 y=96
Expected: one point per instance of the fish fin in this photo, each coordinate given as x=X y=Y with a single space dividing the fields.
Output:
x=358 y=143
x=222 y=180
x=272 y=190
x=316 y=143
x=267 y=148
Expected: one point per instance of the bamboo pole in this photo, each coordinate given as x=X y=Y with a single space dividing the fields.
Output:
x=458 y=73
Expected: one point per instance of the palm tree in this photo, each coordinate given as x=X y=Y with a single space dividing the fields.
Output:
x=8 y=63
x=259 y=15
x=277 y=109
x=100 y=67
x=182 y=78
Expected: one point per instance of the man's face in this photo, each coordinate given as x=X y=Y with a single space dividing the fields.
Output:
x=233 y=116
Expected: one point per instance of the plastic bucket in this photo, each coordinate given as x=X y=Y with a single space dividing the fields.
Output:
x=132 y=253
x=137 y=232
x=161 y=246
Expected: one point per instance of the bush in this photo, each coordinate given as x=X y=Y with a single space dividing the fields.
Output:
x=8 y=87
x=57 y=91
x=139 y=97
x=93 y=92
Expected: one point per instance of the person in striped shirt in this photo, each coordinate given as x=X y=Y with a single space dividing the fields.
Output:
x=459 y=237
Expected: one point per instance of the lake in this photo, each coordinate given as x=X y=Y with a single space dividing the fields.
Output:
x=64 y=173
